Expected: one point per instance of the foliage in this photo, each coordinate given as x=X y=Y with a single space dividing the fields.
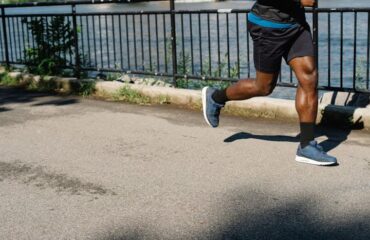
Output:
x=86 y=88
x=128 y=94
x=221 y=70
x=6 y=80
x=361 y=73
x=53 y=40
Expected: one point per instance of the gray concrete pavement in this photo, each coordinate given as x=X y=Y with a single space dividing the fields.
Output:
x=73 y=168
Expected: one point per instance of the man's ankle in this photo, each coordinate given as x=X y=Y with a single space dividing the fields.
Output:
x=220 y=97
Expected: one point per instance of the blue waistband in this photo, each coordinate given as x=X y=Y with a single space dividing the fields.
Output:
x=266 y=23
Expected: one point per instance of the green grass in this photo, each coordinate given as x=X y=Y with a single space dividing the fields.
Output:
x=86 y=88
x=6 y=80
x=127 y=94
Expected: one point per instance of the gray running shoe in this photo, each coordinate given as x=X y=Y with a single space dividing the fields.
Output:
x=314 y=154
x=211 y=109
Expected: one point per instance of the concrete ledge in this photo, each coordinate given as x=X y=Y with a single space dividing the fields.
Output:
x=265 y=107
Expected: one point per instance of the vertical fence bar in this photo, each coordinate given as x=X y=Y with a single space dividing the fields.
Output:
x=183 y=45
x=120 y=39
x=107 y=38
x=88 y=39
x=24 y=42
x=173 y=42
x=101 y=42
x=5 y=35
x=218 y=45
x=248 y=51
x=127 y=43
x=315 y=19
x=368 y=52
x=135 y=48
x=341 y=49
x=165 y=43
x=82 y=41
x=75 y=41
x=114 y=44
x=209 y=46
x=28 y=38
x=228 y=44
x=157 y=41
x=11 y=41
x=200 y=44
x=19 y=41
x=149 y=43
x=71 y=47
x=329 y=50
x=95 y=48
x=355 y=52
x=191 y=43
x=2 y=46
x=142 y=42
x=34 y=45
x=14 y=41
x=237 y=45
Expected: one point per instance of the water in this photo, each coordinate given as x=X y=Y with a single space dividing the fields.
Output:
x=180 y=6
x=143 y=49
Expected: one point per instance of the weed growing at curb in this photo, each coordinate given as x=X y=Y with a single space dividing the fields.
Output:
x=6 y=80
x=86 y=89
x=127 y=94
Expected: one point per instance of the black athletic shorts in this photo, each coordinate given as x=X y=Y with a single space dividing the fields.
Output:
x=273 y=44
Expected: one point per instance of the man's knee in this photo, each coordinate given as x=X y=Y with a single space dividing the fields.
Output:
x=308 y=78
x=266 y=89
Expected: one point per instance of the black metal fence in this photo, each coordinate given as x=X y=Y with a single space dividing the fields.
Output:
x=198 y=45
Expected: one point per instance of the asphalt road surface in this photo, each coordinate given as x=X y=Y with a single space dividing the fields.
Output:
x=73 y=168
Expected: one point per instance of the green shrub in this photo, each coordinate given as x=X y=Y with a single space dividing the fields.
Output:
x=53 y=40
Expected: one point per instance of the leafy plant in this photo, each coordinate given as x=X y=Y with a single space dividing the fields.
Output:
x=54 y=39
x=128 y=94
x=6 y=80
x=360 y=74
x=86 y=88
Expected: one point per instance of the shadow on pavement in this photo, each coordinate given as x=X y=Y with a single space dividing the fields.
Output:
x=58 y=102
x=274 y=138
x=17 y=95
x=335 y=137
x=3 y=109
x=338 y=122
x=261 y=215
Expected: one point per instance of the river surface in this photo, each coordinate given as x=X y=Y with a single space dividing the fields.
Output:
x=180 y=6
x=127 y=57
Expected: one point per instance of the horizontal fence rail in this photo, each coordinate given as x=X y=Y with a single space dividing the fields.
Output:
x=210 y=44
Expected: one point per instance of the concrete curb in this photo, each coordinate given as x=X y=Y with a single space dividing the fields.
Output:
x=264 y=107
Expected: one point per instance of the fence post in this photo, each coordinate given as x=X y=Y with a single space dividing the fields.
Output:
x=5 y=37
x=173 y=42
x=315 y=19
x=75 y=39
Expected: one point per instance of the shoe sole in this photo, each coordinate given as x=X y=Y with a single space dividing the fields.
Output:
x=204 y=103
x=313 y=162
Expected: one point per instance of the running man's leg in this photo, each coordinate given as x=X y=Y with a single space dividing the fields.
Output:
x=244 y=89
x=263 y=85
x=306 y=104
x=213 y=100
x=307 y=97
